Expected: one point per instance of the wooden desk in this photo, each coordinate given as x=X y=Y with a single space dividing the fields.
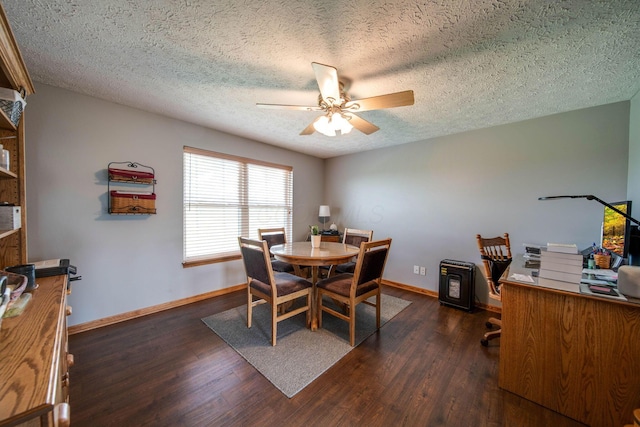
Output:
x=570 y=352
x=34 y=359
x=302 y=253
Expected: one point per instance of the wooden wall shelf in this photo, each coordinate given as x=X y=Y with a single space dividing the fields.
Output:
x=7 y=174
x=5 y=123
x=6 y=233
x=128 y=175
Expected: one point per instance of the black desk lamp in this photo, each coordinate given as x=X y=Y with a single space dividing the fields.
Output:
x=634 y=243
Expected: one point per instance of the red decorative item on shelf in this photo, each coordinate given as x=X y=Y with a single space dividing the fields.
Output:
x=125 y=175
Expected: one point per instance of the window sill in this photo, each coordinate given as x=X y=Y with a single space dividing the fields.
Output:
x=210 y=260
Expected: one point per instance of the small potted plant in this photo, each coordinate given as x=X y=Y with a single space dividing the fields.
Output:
x=315 y=236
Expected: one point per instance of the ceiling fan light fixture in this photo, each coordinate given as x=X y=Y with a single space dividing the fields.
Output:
x=339 y=110
x=341 y=122
x=330 y=123
x=322 y=125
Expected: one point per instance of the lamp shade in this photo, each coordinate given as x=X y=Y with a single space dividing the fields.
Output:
x=322 y=125
x=330 y=123
x=339 y=122
x=324 y=211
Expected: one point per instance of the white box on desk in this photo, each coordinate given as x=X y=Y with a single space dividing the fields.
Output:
x=10 y=218
x=559 y=266
x=560 y=275
x=561 y=257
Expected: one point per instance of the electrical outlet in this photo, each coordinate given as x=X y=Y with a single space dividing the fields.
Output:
x=416 y=269
x=423 y=271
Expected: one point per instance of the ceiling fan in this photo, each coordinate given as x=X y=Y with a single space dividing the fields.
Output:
x=339 y=108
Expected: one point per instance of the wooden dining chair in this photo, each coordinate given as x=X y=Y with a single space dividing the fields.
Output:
x=353 y=237
x=351 y=289
x=495 y=253
x=276 y=236
x=273 y=288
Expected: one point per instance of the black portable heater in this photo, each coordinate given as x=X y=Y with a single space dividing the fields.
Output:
x=457 y=284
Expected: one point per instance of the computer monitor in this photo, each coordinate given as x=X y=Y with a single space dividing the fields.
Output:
x=616 y=229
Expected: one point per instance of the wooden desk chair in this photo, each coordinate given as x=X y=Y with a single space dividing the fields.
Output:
x=495 y=253
x=273 y=288
x=350 y=289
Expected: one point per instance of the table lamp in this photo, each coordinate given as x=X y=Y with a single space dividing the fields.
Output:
x=324 y=213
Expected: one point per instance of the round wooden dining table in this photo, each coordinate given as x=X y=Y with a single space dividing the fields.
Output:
x=303 y=254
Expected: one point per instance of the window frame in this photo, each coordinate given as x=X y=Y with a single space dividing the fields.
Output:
x=243 y=192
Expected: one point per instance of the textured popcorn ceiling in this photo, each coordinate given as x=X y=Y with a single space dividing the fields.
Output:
x=471 y=63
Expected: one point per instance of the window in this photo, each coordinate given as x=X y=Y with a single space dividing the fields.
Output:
x=226 y=197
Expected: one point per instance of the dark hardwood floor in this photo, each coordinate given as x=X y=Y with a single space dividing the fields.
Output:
x=425 y=367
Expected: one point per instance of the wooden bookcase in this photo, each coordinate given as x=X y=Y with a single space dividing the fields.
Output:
x=13 y=75
x=34 y=376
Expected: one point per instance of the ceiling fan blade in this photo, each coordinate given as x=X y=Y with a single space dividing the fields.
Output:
x=362 y=125
x=289 y=107
x=328 y=83
x=309 y=129
x=391 y=100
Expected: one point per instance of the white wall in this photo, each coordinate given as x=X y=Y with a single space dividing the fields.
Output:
x=128 y=262
x=434 y=196
x=431 y=197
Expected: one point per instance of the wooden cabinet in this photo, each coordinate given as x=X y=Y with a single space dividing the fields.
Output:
x=35 y=360
x=331 y=238
x=336 y=238
x=13 y=75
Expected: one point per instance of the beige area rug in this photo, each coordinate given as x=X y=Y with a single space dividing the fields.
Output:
x=300 y=355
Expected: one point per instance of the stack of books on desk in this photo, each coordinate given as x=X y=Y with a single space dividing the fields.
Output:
x=532 y=255
x=561 y=262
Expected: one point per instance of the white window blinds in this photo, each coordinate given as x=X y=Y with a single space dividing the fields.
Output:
x=226 y=197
